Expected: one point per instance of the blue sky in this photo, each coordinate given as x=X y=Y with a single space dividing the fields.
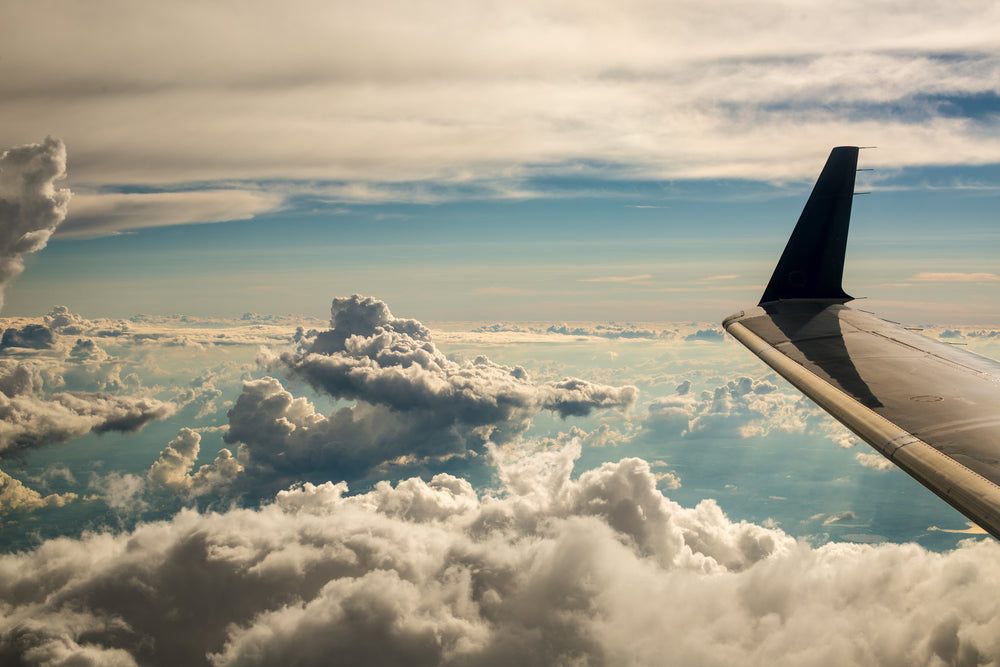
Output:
x=546 y=256
x=529 y=413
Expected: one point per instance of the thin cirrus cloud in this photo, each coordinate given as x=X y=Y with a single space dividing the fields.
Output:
x=107 y=214
x=642 y=279
x=956 y=277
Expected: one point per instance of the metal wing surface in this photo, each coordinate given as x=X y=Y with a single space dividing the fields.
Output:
x=929 y=407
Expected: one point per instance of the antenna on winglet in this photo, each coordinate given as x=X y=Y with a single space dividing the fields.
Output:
x=812 y=264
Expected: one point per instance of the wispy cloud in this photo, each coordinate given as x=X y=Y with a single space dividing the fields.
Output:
x=500 y=291
x=640 y=279
x=115 y=213
x=956 y=277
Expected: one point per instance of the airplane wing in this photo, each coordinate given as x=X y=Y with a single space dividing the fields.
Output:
x=930 y=408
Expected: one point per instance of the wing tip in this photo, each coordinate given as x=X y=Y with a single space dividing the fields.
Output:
x=812 y=264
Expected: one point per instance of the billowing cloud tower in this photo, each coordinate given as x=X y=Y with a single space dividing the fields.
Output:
x=30 y=205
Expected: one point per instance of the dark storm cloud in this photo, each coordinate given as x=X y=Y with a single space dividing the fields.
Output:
x=30 y=205
x=412 y=401
x=598 y=569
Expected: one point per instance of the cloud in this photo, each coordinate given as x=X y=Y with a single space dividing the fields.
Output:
x=114 y=413
x=60 y=319
x=874 y=461
x=552 y=570
x=172 y=470
x=984 y=333
x=27 y=419
x=392 y=98
x=17 y=378
x=743 y=407
x=114 y=213
x=925 y=276
x=839 y=517
x=411 y=400
x=641 y=279
x=30 y=205
x=86 y=350
x=15 y=496
x=175 y=460
x=34 y=336
x=709 y=335
x=120 y=491
x=612 y=330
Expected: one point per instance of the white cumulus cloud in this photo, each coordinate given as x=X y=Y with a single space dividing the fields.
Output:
x=598 y=569
x=411 y=400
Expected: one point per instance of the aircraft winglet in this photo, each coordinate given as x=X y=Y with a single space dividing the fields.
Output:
x=812 y=265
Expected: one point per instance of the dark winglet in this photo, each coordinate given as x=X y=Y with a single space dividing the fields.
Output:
x=812 y=265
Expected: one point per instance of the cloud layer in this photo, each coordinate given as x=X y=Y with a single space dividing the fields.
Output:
x=602 y=569
x=394 y=102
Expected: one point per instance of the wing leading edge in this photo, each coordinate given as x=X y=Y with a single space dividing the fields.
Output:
x=930 y=408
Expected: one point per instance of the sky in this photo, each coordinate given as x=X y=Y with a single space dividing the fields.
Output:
x=389 y=333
